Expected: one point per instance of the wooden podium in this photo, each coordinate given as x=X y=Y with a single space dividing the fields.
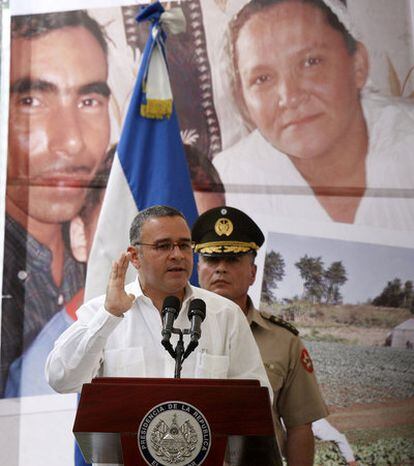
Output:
x=111 y=410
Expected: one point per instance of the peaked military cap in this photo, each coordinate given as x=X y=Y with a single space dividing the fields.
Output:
x=226 y=231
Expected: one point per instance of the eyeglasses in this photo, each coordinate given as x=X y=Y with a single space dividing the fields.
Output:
x=166 y=247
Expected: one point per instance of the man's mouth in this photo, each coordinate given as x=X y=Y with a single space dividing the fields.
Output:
x=220 y=282
x=176 y=269
x=76 y=177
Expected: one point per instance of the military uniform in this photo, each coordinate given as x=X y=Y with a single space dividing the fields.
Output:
x=297 y=398
x=226 y=232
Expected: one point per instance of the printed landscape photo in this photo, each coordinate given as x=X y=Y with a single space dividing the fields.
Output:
x=359 y=329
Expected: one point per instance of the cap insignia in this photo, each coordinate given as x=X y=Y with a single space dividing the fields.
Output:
x=223 y=226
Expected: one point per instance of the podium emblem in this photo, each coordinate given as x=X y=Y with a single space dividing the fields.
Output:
x=174 y=433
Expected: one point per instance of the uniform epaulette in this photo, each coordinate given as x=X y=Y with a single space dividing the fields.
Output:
x=279 y=321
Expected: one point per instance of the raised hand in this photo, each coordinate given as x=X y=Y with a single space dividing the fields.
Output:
x=117 y=301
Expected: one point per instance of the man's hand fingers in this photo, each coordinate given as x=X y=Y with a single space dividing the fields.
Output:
x=124 y=262
x=117 y=301
x=119 y=268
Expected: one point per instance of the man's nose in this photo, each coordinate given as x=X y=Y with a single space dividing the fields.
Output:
x=176 y=251
x=66 y=132
x=291 y=93
x=221 y=267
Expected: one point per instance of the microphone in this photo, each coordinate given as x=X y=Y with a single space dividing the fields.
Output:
x=169 y=313
x=196 y=315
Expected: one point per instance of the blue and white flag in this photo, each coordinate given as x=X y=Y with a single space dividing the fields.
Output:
x=150 y=166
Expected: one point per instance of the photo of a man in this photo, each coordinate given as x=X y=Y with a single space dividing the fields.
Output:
x=58 y=138
x=61 y=129
x=320 y=143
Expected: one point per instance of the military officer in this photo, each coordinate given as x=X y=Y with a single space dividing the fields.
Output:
x=227 y=241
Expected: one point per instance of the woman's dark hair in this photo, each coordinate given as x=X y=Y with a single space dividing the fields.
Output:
x=256 y=6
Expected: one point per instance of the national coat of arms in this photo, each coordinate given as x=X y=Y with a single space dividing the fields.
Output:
x=174 y=433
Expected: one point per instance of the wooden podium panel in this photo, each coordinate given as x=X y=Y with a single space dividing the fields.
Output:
x=111 y=409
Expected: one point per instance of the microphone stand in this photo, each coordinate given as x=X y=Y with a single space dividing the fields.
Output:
x=178 y=352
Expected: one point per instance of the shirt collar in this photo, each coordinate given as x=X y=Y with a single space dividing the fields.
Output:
x=135 y=288
x=253 y=315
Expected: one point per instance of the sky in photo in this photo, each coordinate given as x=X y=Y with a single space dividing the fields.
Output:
x=368 y=266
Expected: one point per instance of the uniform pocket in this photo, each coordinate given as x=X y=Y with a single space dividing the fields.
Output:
x=125 y=362
x=210 y=366
x=276 y=377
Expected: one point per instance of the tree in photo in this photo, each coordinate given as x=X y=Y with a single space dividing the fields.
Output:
x=334 y=278
x=408 y=296
x=321 y=284
x=274 y=271
x=397 y=295
x=312 y=271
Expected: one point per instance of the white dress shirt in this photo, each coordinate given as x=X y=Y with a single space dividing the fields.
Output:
x=101 y=344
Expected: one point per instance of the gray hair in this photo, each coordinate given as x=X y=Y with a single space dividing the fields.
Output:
x=156 y=211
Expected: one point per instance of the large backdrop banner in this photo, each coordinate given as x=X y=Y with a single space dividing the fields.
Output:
x=304 y=121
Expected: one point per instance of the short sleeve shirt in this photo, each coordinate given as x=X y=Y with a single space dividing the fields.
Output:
x=297 y=397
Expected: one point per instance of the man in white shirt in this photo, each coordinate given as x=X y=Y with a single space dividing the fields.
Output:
x=119 y=334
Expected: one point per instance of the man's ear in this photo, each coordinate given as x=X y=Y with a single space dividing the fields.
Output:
x=361 y=65
x=78 y=242
x=253 y=274
x=135 y=259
